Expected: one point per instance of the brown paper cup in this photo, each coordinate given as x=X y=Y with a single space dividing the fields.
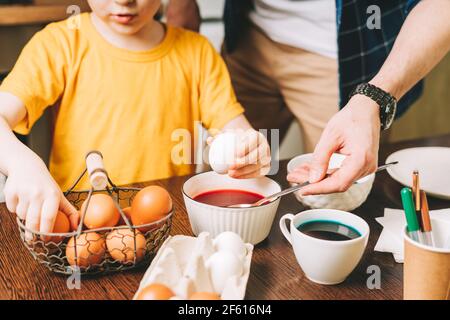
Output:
x=426 y=273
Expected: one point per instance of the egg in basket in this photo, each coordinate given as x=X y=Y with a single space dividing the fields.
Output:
x=119 y=228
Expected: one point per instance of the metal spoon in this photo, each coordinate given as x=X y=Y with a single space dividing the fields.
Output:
x=295 y=188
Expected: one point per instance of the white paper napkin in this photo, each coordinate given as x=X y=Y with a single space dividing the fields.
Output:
x=393 y=222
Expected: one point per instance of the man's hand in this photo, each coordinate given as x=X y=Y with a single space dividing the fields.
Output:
x=354 y=132
x=183 y=13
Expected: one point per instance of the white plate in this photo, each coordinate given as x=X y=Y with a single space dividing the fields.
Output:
x=433 y=164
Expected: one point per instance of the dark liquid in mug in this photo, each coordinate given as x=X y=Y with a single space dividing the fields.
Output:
x=328 y=230
x=229 y=197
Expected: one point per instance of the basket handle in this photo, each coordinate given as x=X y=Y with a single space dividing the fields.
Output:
x=98 y=177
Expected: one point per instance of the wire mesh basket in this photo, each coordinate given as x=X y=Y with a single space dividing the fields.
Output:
x=85 y=250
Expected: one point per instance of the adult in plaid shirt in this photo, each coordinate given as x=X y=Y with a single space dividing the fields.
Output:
x=414 y=35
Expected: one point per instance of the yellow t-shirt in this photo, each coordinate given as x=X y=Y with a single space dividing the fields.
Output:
x=130 y=105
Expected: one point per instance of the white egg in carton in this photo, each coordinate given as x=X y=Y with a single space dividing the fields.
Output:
x=202 y=264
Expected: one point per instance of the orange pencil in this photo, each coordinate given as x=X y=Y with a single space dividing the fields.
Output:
x=426 y=222
x=416 y=195
x=416 y=189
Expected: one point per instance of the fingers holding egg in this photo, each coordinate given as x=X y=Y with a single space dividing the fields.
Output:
x=222 y=152
x=74 y=219
x=244 y=154
x=61 y=225
x=32 y=221
x=254 y=158
x=249 y=171
x=249 y=141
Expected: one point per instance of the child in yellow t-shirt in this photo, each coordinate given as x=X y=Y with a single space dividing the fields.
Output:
x=125 y=83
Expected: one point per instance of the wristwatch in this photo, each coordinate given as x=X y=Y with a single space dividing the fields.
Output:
x=386 y=101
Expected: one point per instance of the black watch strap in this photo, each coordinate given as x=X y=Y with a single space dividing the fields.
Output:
x=384 y=99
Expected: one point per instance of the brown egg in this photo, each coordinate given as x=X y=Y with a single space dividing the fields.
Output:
x=204 y=296
x=90 y=250
x=150 y=204
x=120 y=244
x=101 y=212
x=155 y=291
x=62 y=225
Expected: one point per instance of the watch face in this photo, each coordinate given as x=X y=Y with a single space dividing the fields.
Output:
x=389 y=114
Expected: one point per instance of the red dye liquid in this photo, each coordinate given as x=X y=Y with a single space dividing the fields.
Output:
x=225 y=198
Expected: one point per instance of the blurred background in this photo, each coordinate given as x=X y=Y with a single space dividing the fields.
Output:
x=429 y=116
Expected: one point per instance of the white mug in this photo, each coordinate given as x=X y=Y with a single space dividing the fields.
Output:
x=326 y=261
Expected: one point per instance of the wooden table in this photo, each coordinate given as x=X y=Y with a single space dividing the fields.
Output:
x=275 y=273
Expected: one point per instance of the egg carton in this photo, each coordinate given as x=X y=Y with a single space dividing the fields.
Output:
x=200 y=264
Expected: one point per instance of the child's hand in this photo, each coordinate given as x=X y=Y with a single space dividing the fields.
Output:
x=251 y=151
x=252 y=156
x=34 y=196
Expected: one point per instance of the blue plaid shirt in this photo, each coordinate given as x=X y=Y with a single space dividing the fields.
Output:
x=362 y=51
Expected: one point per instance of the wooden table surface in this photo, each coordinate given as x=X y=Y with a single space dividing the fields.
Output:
x=39 y=13
x=274 y=274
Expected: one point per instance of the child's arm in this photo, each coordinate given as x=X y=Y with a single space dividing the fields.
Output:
x=220 y=110
x=253 y=153
x=30 y=190
x=184 y=14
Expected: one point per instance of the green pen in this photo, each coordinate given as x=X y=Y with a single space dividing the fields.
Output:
x=410 y=212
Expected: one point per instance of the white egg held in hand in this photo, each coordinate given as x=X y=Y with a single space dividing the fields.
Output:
x=222 y=265
x=222 y=152
x=230 y=241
